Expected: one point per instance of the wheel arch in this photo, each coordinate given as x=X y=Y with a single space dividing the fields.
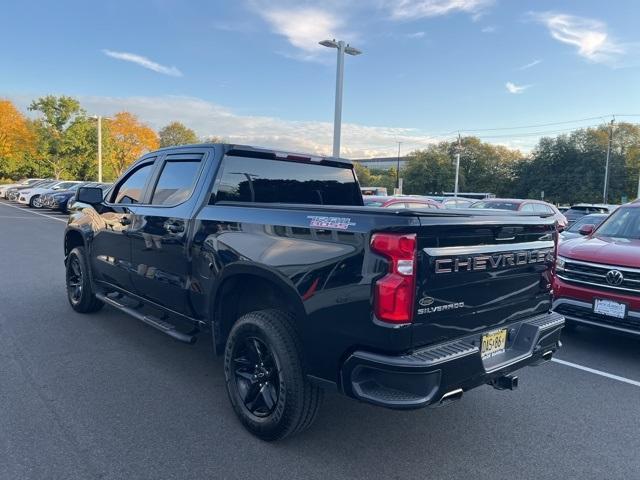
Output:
x=73 y=238
x=242 y=288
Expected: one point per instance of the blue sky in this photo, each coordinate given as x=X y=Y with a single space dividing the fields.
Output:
x=251 y=70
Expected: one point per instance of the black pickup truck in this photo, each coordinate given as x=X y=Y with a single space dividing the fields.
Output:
x=302 y=288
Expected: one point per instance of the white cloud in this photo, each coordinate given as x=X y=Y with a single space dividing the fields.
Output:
x=515 y=89
x=530 y=64
x=143 y=62
x=415 y=35
x=411 y=9
x=589 y=36
x=488 y=29
x=210 y=119
x=304 y=27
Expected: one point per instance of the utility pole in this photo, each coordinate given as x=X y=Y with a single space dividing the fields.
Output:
x=99 y=149
x=605 y=195
x=455 y=190
x=342 y=48
x=398 y=169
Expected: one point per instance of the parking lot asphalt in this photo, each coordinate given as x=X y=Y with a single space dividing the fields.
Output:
x=103 y=396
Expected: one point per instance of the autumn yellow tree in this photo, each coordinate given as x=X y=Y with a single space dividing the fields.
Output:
x=129 y=139
x=16 y=138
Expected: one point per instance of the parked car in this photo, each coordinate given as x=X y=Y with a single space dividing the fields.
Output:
x=400 y=201
x=13 y=192
x=581 y=209
x=303 y=288
x=57 y=200
x=453 y=202
x=534 y=206
x=23 y=183
x=379 y=191
x=573 y=231
x=32 y=196
x=597 y=277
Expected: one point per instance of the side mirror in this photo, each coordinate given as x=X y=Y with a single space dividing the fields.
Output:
x=90 y=195
x=586 y=229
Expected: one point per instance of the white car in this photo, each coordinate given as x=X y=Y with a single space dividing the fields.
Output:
x=32 y=196
x=24 y=183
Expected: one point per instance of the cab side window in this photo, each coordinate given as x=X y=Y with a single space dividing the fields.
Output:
x=131 y=188
x=177 y=179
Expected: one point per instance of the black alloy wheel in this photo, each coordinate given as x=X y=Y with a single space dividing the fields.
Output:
x=74 y=280
x=257 y=376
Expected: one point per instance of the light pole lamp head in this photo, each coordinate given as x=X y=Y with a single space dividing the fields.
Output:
x=352 y=50
x=329 y=43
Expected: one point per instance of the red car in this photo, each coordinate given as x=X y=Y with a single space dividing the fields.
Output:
x=400 y=201
x=597 y=277
x=537 y=206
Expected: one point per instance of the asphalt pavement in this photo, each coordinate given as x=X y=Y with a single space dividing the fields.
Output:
x=104 y=396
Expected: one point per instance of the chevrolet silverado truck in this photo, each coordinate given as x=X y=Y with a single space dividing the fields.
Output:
x=302 y=288
x=597 y=276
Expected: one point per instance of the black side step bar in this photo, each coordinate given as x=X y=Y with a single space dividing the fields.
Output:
x=165 y=327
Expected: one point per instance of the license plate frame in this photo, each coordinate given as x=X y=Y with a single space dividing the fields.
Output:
x=493 y=343
x=610 y=308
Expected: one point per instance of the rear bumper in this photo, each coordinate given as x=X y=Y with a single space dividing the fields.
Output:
x=427 y=376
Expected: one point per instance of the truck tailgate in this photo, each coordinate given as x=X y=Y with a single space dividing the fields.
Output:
x=479 y=274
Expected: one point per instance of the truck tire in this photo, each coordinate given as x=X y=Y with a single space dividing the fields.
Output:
x=265 y=379
x=79 y=288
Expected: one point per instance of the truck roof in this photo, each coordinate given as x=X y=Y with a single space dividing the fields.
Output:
x=262 y=151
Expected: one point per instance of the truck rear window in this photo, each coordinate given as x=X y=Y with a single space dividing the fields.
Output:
x=262 y=180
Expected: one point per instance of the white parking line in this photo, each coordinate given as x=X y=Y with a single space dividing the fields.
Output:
x=35 y=213
x=597 y=372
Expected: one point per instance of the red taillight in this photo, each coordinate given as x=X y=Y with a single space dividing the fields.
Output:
x=394 y=293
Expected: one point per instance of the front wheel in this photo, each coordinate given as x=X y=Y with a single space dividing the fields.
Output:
x=265 y=380
x=79 y=289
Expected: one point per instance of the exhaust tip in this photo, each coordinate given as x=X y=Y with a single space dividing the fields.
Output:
x=450 y=397
x=547 y=355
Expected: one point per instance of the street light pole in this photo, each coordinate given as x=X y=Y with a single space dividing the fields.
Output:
x=342 y=48
x=398 y=169
x=455 y=189
x=99 y=149
x=605 y=194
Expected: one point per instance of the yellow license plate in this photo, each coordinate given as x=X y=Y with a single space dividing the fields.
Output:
x=493 y=343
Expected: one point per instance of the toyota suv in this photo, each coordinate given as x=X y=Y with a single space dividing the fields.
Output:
x=597 y=277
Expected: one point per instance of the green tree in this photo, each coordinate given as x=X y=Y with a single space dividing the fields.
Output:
x=58 y=113
x=429 y=171
x=177 y=134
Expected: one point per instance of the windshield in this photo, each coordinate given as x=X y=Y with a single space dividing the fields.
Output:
x=497 y=205
x=585 y=210
x=623 y=223
x=586 y=220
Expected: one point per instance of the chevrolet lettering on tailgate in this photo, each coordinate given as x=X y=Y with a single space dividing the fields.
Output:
x=490 y=262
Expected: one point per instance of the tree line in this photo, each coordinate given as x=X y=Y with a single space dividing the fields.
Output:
x=565 y=169
x=61 y=142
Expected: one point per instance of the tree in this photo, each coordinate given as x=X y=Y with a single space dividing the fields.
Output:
x=429 y=171
x=58 y=113
x=16 y=138
x=177 y=134
x=129 y=139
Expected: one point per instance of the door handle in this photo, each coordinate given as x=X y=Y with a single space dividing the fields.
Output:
x=125 y=221
x=175 y=228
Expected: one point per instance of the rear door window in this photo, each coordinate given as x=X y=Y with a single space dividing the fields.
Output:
x=176 y=180
x=263 y=180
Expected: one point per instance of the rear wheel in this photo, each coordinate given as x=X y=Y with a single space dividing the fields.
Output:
x=79 y=289
x=265 y=379
x=35 y=202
